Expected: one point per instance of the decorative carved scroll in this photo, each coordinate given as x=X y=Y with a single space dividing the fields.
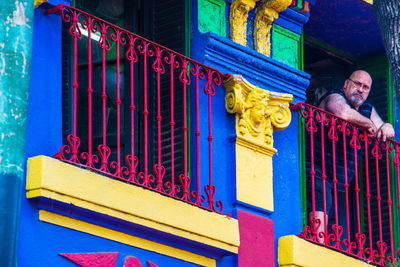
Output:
x=238 y=19
x=266 y=14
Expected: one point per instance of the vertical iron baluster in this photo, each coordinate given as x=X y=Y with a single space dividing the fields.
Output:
x=116 y=37
x=311 y=127
x=360 y=238
x=343 y=128
x=90 y=91
x=376 y=153
x=369 y=251
x=184 y=179
x=172 y=64
x=210 y=91
x=103 y=149
x=131 y=159
x=196 y=194
x=337 y=229
x=210 y=188
x=143 y=48
x=159 y=170
x=324 y=235
x=74 y=140
x=388 y=149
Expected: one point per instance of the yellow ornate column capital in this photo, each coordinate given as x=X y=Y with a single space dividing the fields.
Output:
x=259 y=112
x=238 y=19
x=266 y=14
x=39 y=2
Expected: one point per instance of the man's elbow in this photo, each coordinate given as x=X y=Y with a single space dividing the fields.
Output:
x=341 y=113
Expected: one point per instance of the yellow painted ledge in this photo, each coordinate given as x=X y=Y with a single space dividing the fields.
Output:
x=294 y=251
x=58 y=181
x=125 y=238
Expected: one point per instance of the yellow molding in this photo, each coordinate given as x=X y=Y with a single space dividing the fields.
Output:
x=124 y=238
x=266 y=14
x=39 y=2
x=294 y=251
x=369 y=1
x=255 y=147
x=56 y=180
x=238 y=19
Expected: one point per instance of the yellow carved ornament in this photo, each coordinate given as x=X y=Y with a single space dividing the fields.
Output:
x=258 y=112
x=238 y=19
x=266 y=14
x=39 y=2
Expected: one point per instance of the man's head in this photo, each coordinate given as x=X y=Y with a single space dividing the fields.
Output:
x=357 y=87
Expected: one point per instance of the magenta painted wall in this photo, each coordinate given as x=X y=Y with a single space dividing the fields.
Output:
x=256 y=240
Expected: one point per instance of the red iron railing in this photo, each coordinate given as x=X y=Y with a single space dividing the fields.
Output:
x=337 y=150
x=152 y=60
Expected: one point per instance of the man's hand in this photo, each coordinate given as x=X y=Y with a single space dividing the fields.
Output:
x=386 y=132
x=372 y=130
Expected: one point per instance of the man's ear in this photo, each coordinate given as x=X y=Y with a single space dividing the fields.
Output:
x=346 y=82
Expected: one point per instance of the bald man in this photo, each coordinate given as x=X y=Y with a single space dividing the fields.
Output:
x=349 y=104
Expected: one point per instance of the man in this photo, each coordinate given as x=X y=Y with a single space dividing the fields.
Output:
x=349 y=104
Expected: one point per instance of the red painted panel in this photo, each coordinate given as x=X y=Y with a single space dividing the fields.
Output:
x=151 y=264
x=107 y=259
x=256 y=240
x=132 y=262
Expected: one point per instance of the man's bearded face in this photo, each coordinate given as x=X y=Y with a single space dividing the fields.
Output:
x=357 y=88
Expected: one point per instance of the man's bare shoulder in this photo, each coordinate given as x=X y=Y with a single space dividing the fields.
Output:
x=332 y=99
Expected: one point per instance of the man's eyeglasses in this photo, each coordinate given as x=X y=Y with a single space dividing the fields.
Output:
x=365 y=87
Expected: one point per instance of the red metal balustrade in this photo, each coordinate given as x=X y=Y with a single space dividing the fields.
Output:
x=368 y=229
x=152 y=59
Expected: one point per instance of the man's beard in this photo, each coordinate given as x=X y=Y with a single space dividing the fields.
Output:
x=356 y=100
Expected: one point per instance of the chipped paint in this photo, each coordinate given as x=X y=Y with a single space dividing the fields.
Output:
x=19 y=17
x=15 y=58
x=2 y=64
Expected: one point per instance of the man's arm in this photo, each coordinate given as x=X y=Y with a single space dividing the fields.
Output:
x=337 y=105
x=385 y=130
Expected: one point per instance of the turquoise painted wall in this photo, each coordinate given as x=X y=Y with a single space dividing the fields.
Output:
x=15 y=59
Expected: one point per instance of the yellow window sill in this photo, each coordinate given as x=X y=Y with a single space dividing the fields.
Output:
x=54 y=182
x=295 y=251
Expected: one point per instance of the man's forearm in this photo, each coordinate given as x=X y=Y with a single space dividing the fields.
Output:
x=356 y=118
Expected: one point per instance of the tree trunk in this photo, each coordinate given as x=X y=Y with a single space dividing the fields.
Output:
x=387 y=13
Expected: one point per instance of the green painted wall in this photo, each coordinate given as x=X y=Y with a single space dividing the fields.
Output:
x=211 y=16
x=16 y=23
x=286 y=47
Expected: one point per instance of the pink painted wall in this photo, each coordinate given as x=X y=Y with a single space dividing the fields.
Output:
x=256 y=240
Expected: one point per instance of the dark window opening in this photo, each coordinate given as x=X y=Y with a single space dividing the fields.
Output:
x=160 y=21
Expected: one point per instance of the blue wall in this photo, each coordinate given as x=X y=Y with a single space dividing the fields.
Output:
x=41 y=242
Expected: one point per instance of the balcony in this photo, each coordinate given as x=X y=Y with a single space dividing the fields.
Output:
x=141 y=145
x=136 y=160
x=360 y=176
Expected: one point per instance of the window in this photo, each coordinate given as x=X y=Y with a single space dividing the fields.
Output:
x=159 y=21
